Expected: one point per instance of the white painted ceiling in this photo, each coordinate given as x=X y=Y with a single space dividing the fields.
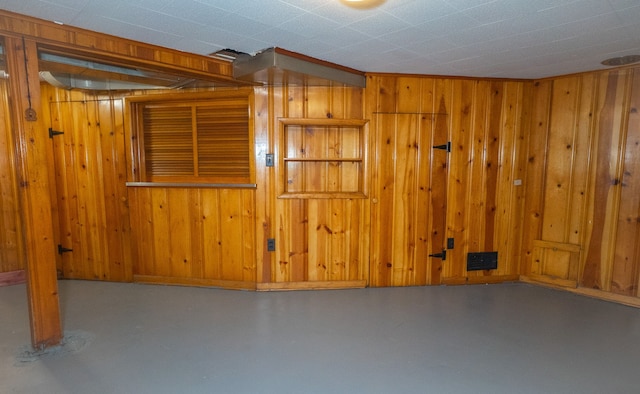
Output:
x=483 y=38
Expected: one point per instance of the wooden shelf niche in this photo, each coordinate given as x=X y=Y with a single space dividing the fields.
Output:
x=323 y=158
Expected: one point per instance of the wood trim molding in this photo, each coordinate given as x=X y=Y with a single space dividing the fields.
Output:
x=224 y=284
x=86 y=43
x=12 y=278
x=312 y=285
x=584 y=291
x=477 y=280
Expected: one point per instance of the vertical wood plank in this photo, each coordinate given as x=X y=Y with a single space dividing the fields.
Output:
x=458 y=193
x=12 y=257
x=599 y=256
x=423 y=214
x=626 y=264
x=382 y=215
x=498 y=142
x=560 y=153
x=265 y=180
x=248 y=235
x=482 y=200
x=231 y=234
x=439 y=186
x=536 y=172
x=211 y=235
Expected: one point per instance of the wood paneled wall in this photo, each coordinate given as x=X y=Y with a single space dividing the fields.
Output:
x=544 y=173
x=486 y=123
x=194 y=236
x=583 y=184
x=12 y=257
x=320 y=242
x=89 y=162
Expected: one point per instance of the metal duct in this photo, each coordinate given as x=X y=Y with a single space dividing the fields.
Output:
x=276 y=66
x=70 y=81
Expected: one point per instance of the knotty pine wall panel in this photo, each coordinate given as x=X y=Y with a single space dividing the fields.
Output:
x=12 y=257
x=320 y=242
x=197 y=236
x=91 y=214
x=583 y=181
x=483 y=207
x=484 y=121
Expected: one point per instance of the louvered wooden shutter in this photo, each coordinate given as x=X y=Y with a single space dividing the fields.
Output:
x=168 y=140
x=204 y=141
x=223 y=139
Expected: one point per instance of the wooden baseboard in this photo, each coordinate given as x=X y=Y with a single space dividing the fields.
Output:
x=313 y=285
x=593 y=293
x=224 y=284
x=570 y=284
x=12 y=278
x=480 y=280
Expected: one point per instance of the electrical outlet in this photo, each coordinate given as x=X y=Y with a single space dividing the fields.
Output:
x=271 y=244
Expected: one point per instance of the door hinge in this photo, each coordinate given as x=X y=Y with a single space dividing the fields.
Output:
x=442 y=255
x=53 y=132
x=446 y=146
x=62 y=249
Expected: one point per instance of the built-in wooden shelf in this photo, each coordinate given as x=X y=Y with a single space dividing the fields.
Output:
x=322 y=158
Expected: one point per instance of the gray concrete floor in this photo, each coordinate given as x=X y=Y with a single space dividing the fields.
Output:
x=508 y=338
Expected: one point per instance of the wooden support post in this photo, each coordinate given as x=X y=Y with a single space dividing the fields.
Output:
x=30 y=143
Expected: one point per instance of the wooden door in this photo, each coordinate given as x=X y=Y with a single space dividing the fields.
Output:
x=408 y=199
x=91 y=192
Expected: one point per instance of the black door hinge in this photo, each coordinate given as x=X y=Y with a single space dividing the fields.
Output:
x=62 y=250
x=446 y=146
x=442 y=255
x=53 y=132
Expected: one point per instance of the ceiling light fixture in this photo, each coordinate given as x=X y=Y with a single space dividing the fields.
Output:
x=621 y=61
x=362 y=4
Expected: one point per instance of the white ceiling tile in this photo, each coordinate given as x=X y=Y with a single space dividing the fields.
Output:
x=467 y=4
x=197 y=12
x=379 y=25
x=420 y=11
x=448 y=24
x=629 y=15
x=137 y=32
x=407 y=37
x=227 y=5
x=307 y=5
x=477 y=34
x=55 y=12
x=344 y=36
x=154 y=5
x=521 y=38
x=278 y=37
x=338 y=13
x=309 y=25
x=430 y=46
x=279 y=11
